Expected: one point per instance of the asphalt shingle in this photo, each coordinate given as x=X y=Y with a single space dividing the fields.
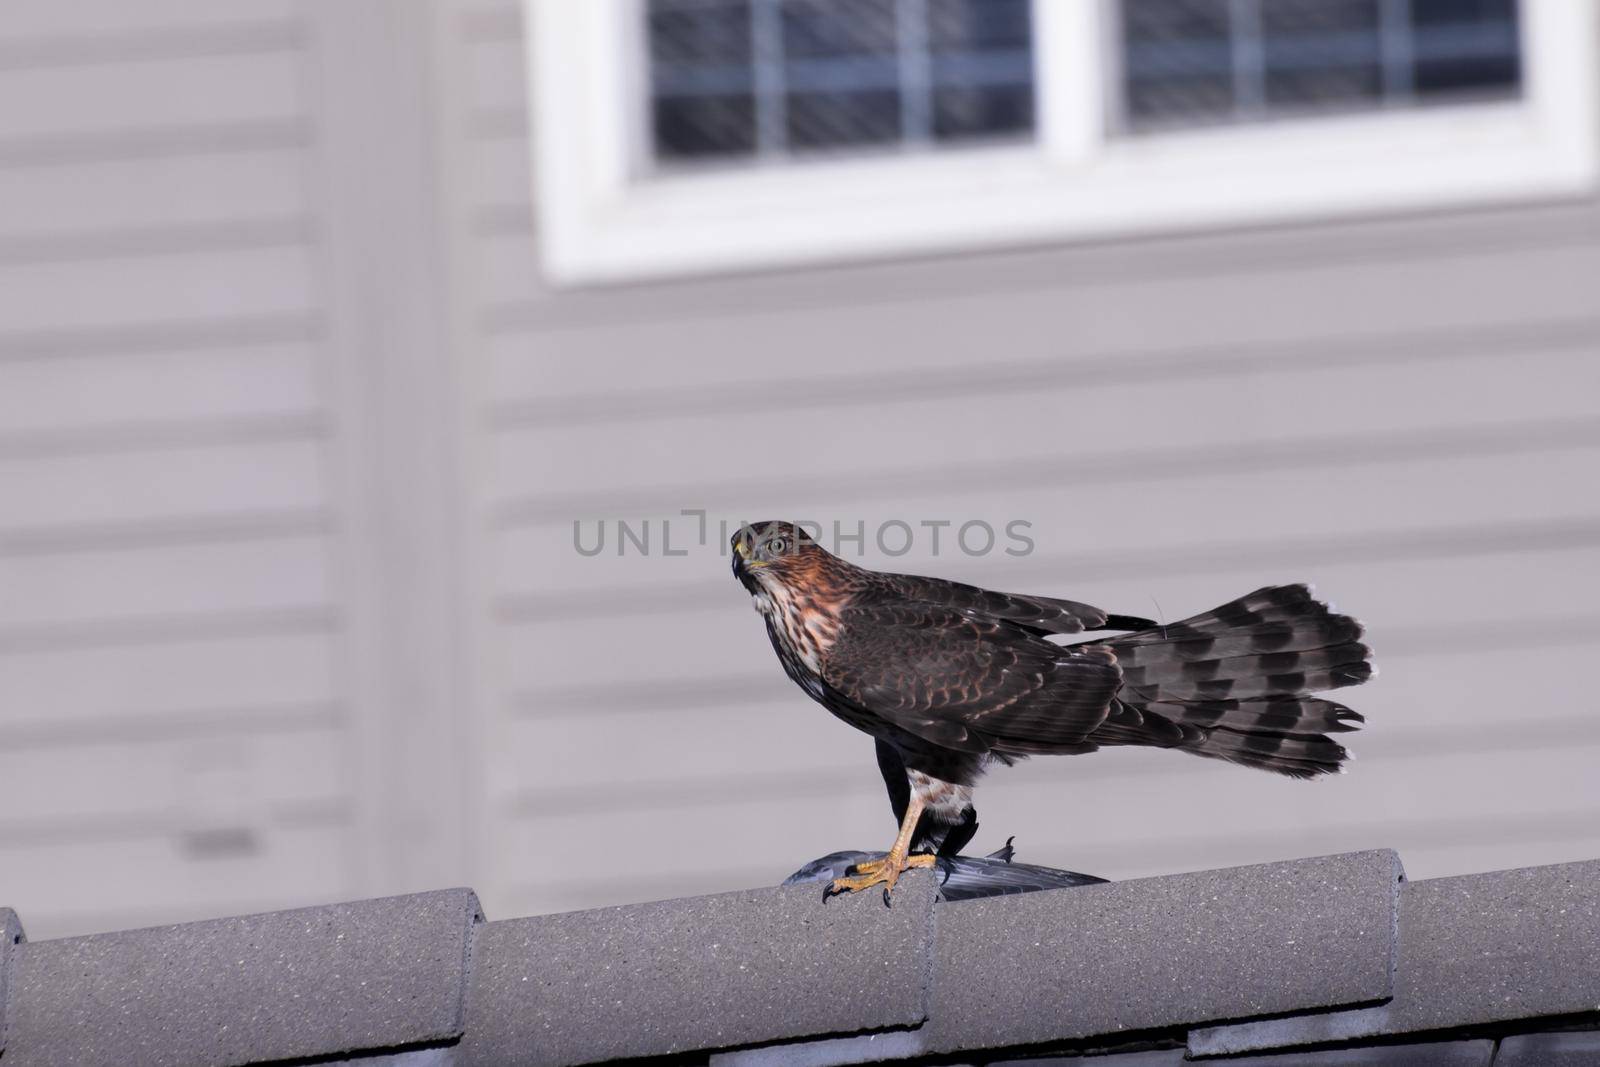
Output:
x=758 y=966
x=11 y=935
x=1158 y=953
x=1474 y=950
x=313 y=982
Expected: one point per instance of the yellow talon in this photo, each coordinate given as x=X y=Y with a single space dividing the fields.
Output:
x=885 y=872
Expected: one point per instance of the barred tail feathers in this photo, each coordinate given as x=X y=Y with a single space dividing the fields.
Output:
x=1236 y=683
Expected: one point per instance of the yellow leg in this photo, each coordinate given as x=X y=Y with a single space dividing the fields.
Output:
x=886 y=872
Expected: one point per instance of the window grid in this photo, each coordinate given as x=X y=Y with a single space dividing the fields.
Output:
x=768 y=80
x=1249 y=56
x=1394 y=39
x=767 y=67
x=1207 y=62
x=818 y=75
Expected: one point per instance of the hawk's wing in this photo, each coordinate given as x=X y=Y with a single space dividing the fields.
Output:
x=1040 y=614
x=969 y=683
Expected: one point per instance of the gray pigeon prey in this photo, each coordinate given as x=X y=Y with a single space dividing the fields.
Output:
x=961 y=877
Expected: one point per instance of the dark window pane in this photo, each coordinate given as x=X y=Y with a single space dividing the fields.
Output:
x=825 y=28
x=841 y=73
x=1466 y=46
x=831 y=120
x=1174 y=101
x=1175 y=20
x=1322 y=19
x=964 y=111
x=1463 y=74
x=1323 y=87
x=957 y=26
x=1178 y=61
x=702 y=101
x=982 y=66
x=1321 y=53
x=698 y=126
x=699 y=32
x=1428 y=13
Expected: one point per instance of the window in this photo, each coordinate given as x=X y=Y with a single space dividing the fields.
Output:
x=679 y=136
x=737 y=79
x=1186 y=62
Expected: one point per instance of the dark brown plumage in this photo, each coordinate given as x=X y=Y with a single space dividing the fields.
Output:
x=949 y=678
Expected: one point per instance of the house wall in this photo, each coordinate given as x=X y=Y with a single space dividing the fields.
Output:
x=293 y=436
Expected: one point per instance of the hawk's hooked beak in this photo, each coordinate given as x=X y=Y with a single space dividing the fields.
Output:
x=744 y=567
x=741 y=548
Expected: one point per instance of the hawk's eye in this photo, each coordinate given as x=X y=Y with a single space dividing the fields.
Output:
x=777 y=546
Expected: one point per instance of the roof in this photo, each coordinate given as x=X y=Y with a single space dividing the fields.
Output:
x=1335 y=960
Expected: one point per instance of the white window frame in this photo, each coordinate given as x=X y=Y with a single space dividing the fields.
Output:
x=603 y=219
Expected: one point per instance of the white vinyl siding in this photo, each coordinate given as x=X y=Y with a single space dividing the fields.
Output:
x=170 y=709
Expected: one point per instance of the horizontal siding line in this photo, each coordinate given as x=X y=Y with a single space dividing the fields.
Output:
x=239 y=331
x=145 y=44
x=161 y=727
x=165 y=435
x=1559 y=535
x=1066 y=374
x=1058 y=472
x=197 y=140
x=856 y=774
x=1551 y=827
x=170 y=629
x=982 y=275
x=121 y=828
x=169 y=532
x=736 y=689
x=183 y=239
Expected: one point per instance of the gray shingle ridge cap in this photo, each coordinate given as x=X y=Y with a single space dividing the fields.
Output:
x=11 y=934
x=1157 y=955
x=305 y=984
x=630 y=981
x=1430 y=1000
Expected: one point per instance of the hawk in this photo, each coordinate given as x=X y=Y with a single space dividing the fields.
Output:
x=950 y=679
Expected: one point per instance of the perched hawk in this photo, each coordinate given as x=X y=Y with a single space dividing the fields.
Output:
x=949 y=678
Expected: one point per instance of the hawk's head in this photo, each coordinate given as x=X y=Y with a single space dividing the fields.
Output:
x=771 y=552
